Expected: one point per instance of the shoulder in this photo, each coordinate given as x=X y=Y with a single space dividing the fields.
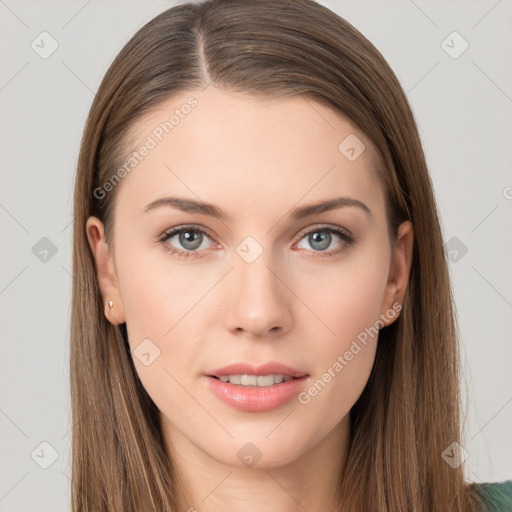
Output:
x=497 y=496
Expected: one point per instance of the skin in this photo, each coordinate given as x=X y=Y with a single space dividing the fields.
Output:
x=256 y=159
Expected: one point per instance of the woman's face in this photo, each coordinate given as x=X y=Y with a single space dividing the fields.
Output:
x=255 y=278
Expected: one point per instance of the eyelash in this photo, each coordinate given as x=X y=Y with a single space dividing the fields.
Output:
x=342 y=233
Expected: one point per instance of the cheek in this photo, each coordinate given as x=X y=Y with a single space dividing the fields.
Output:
x=342 y=360
x=161 y=305
x=157 y=291
x=344 y=345
x=345 y=296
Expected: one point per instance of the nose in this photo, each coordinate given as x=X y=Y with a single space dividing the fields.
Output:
x=259 y=300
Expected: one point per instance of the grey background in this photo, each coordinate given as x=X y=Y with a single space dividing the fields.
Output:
x=463 y=107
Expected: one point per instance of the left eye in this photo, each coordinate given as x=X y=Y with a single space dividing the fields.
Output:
x=321 y=238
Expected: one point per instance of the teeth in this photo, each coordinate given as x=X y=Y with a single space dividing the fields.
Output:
x=255 y=380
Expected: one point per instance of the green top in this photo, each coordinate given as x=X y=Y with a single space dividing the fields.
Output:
x=497 y=495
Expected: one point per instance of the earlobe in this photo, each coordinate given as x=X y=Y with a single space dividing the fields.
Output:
x=113 y=316
x=105 y=271
x=399 y=271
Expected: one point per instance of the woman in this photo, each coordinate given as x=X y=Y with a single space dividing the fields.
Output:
x=262 y=315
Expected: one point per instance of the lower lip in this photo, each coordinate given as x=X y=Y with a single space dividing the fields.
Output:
x=256 y=399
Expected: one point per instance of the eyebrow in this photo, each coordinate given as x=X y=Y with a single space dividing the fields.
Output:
x=193 y=206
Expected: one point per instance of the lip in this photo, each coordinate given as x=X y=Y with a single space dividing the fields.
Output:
x=256 y=399
x=250 y=369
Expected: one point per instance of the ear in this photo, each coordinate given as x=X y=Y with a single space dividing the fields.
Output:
x=105 y=270
x=399 y=272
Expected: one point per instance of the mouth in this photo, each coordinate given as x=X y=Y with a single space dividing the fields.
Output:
x=250 y=397
x=252 y=388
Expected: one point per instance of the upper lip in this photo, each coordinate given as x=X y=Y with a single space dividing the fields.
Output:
x=251 y=369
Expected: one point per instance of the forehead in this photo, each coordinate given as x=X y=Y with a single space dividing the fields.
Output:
x=217 y=145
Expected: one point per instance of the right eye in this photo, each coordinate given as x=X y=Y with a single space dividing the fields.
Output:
x=190 y=239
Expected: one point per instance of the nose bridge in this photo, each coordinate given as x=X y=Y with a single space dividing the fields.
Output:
x=260 y=301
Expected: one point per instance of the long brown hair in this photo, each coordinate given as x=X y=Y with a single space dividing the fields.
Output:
x=409 y=412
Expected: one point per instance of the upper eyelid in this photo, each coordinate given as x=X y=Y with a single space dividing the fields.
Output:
x=175 y=230
x=327 y=227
